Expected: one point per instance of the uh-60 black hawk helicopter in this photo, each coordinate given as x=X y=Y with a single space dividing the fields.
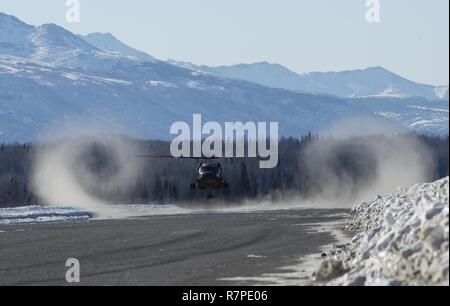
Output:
x=209 y=173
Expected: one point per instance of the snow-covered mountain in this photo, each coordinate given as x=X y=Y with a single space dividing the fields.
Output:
x=374 y=81
x=442 y=92
x=14 y=36
x=107 y=42
x=146 y=98
x=51 y=77
x=418 y=114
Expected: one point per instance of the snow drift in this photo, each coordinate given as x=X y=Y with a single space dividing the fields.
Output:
x=404 y=240
x=32 y=214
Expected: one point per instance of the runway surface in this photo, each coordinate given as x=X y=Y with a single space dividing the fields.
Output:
x=187 y=249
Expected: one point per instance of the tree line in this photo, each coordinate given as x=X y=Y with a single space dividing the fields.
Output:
x=168 y=180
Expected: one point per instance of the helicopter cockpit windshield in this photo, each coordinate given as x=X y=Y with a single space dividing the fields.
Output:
x=210 y=169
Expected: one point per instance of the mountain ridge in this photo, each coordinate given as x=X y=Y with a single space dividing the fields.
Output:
x=371 y=81
x=108 y=42
x=305 y=82
x=53 y=79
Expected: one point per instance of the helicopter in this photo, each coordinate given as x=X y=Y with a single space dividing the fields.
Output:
x=209 y=176
x=209 y=173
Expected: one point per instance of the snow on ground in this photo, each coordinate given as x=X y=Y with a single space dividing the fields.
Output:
x=32 y=214
x=144 y=210
x=36 y=214
x=404 y=240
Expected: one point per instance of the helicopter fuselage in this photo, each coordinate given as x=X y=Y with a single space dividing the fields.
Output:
x=209 y=176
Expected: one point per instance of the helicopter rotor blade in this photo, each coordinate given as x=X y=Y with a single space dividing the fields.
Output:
x=172 y=157
x=164 y=156
x=183 y=157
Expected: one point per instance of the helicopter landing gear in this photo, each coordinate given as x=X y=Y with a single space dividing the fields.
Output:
x=197 y=187
x=209 y=196
x=211 y=190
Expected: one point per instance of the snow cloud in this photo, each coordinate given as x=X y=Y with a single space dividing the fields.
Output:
x=76 y=171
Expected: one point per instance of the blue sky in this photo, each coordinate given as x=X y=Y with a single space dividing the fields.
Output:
x=412 y=38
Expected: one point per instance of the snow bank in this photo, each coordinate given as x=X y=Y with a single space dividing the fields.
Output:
x=403 y=240
x=31 y=214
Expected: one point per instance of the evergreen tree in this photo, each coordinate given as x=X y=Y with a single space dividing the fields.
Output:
x=244 y=180
x=157 y=192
